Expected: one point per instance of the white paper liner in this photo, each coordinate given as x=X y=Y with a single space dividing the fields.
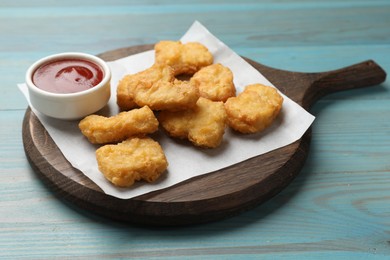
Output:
x=185 y=160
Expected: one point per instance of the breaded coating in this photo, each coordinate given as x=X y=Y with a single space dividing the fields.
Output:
x=124 y=98
x=103 y=130
x=157 y=88
x=157 y=72
x=215 y=82
x=132 y=160
x=254 y=109
x=163 y=95
x=204 y=125
x=183 y=58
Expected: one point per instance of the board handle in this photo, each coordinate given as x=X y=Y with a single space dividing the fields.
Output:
x=364 y=74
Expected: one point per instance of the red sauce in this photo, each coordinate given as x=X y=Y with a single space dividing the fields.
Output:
x=67 y=76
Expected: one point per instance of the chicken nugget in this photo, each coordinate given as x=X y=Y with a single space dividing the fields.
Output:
x=254 y=109
x=125 y=96
x=103 y=130
x=163 y=95
x=215 y=82
x=204 y=125
x=183 y=58
x=132 y=160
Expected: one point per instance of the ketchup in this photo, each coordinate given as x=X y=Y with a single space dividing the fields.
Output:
x=67 y=76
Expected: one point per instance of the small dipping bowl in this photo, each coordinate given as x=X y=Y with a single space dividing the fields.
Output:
x=74 y=105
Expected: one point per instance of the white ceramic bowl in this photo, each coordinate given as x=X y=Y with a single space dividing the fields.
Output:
x=69 y=106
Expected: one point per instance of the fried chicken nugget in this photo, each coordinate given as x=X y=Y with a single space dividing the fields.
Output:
x=124 y=99
x=157 y=72
x=183 y=58
x=204 y=125
x=215 y=82
x=254 y=109
x=103 y=130
x=163 y=95
x=132 y=160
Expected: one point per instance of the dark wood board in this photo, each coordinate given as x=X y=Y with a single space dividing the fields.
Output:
x=209 y=197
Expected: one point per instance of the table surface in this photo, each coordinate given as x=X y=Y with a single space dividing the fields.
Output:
x=339 y=205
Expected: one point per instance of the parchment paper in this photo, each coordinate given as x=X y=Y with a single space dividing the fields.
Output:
x=185 y=160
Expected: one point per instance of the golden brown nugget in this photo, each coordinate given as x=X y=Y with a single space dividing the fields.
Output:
x=103 y=130
x=204 y=125
x=254 y=109
x=132 y=160
x=157 y=72
x=183 y=58
x=124 y=98
x=215 y=82
x=163 y=95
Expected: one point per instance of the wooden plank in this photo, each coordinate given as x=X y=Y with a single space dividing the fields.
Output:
x=336 y=208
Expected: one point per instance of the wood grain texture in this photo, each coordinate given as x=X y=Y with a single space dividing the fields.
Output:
x=206 y=198
x=336 y=208
x=209 y=197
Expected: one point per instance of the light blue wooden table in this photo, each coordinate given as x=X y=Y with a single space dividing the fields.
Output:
x=338 y=207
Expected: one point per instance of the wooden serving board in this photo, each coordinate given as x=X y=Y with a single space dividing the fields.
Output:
x=209 y=197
